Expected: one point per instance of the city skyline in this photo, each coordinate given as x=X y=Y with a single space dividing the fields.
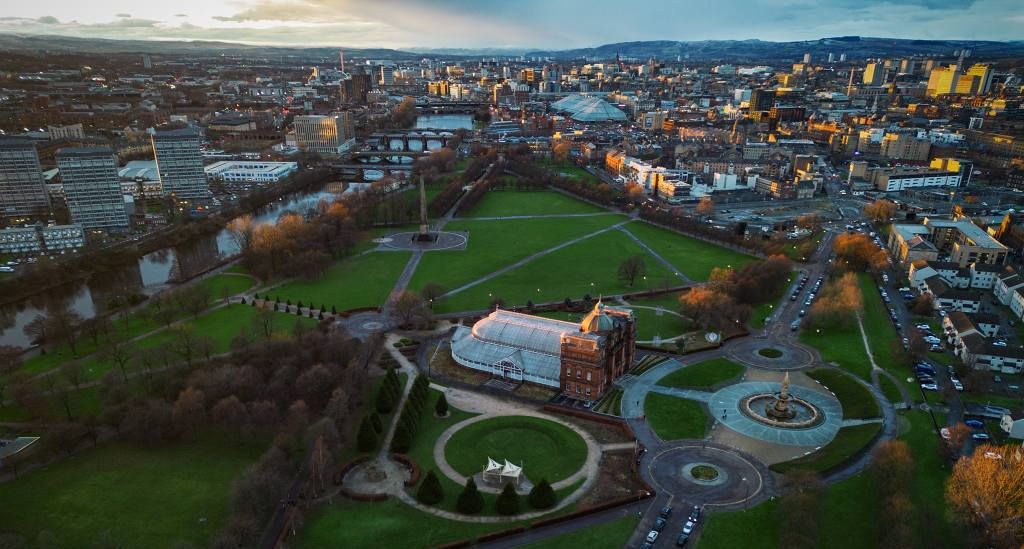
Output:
x=565 y=25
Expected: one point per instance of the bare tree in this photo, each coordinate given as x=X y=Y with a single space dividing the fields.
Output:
x=189 y=410
x=120 y=351
x=242 y=230
x=632 y=268
x=185 y=342
x=73 y=373
x=705 y=207
x=409 y=307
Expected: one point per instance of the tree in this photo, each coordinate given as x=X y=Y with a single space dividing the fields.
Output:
x=542 y=496
x=712 y=310
x=185 y=342
x=242 y=230
x=230 y=414
x=430 y=491
x=189 y=410
x=409 y=306
x=367 y=439
x=73 y=373
x=959 y=434
x=431 y=292
x=378 y=424
x=632 y=268
x=635 y=192
x=705 y=207
x=118 y=350
x=194 y=298
x=402 y=440
x=880 y=211
x=470 y=501
x=561 y=151
x=508 y=501
x=924 y=305
x=441 y=407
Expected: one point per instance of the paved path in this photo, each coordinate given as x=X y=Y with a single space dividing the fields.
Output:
x=672 y=268
x=877 y=371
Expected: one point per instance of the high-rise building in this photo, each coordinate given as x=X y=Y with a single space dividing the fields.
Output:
x=92 y=188
x=807 y=58
x=984 y=74
x=147 y=61
x=831 y=57
x=842 y=58
x=330 y=134
x=952 y=80
x=762 y=100
x=905 y=146
x=22 y=190
x=386 y=75
x=873 y=74
x=179 y=163
x=355 y=88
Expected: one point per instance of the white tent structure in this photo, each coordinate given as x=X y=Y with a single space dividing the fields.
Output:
x=499 y=473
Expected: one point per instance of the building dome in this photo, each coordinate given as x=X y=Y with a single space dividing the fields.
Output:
x=597 y=320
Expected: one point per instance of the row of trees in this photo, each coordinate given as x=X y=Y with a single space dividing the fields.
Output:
x=837 y=303
x=856 y=252
x=726 y=301
x=412 y=415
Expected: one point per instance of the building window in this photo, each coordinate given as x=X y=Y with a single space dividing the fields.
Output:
x=578 y=373
x=588 y=377
x=588 y=391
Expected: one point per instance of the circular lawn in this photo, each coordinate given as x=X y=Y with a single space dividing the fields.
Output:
x=769 y=352
x=545 y=449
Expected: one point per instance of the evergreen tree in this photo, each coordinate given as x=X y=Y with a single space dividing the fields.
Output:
x=430 y=491
x=542 y=496
x=508 y=501
x=367 y=437
x=375 y=420
x=385 y=400
x=470 y=501
x=402 y=441
x=441 y=408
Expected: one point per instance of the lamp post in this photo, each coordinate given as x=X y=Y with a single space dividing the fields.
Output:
x=746 y=494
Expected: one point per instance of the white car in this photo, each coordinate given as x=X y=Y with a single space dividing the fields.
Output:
x=688 y=527
x=652 y=536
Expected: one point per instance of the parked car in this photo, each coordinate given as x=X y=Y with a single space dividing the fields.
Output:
x=944 y=433
x=665 y=512
x=652 y=536
x=688 y=527
x=929 y=387
x=682 y=539
x=659 y=524
x=974 y=423
x=981 y=437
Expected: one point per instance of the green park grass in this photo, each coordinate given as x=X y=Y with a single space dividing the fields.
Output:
x=694 y=258
x=545 y=449
x=882 y=335
x=932 y=521
x=347 y=523
x=890 y=390
x=612 y=534
x=848 y=441
x=361 y=281
x=649 y=324
x=567 y=169
x=754 y=528
x=226 y=285
x=495 y=244
x=857 y=401
x=507 y=203
x=703 y=375
x=237 y=268
x=842 y=345
x=161 y=497
x=675 y=418
x=587 y=267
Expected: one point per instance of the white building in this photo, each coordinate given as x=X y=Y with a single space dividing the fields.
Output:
x=905 y=178
x=39 y=239
x=74 y=131
x=179 y=163
x=250 y=172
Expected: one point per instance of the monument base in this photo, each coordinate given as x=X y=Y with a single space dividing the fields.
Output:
x=424 y=237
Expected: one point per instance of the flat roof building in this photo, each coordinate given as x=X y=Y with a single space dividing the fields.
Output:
x=250 y=172
x=22 y=188
x=179 y=162
x=92 y=188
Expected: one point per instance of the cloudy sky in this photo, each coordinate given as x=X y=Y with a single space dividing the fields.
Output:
x=555 y=24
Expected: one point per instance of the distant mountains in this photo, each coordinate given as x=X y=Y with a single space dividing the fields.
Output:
x=741 y=51
x=855 y=47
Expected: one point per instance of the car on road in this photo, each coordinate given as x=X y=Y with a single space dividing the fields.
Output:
x=957 y=384
x=652 y=536
x=659 y=524
x=981 y=437
x=974 y=423
x=682 y=539
x=688 y=527
x=695 y=513
x=929 y=387
x=665 y=512
x=945 y=433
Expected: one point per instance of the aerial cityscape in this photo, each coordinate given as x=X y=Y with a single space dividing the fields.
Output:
x=434 y=274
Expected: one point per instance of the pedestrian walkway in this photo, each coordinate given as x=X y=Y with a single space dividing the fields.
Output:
x=672 y=268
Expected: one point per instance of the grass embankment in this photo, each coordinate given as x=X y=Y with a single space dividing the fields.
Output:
x=857 y=400
x=848 y=441
x=360 y=281
x=675 y=418
x=703 y=375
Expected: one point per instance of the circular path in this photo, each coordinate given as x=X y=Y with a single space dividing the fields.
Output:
x=725 y=406
x=741 y=478
x=793 y=357
x=446 y=240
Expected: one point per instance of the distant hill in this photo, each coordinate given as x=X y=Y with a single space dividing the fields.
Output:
x=855 y=47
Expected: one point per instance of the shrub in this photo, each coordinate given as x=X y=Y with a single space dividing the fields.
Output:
x=508 y=501
x=367 y=437
x=441 y=408
x=430 y=491
x=470 y=501
x=542 y=496
x=378 y=424
x=403 y=439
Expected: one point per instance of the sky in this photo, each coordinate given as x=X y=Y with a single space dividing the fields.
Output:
x=541 y=24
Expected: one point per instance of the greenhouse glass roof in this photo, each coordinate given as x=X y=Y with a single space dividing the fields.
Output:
x=585 y=108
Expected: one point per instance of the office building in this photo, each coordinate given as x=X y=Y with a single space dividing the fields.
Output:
x=324 y=134
x=958 y=241
x=22 y=190
x=905 y=146
x=900 y=179
x=355 y=88
x=179 y=162
x=57 y=133
x=231 y=171
x=762 y=100
x=92 y=188
x=952 y=80
x=32 y=241
x=873 y=74
x=386 y=75
x=807 y=58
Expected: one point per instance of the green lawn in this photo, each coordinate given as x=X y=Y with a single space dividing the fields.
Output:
x=694 y=258
x=928 y=487
x=543 y=448
x=506 y=203
x=648 y=323
x=587 y=267
x=890 y=390
x=140 y=497
x=849 y=517
x=842 y=345
x=347 y=523
x=226 y=285
x=361 y=281
x=610 y=535
x=675 y=418
x=848 y=441
x=857 y=401
x=568 y=169
x=703 y=375
x=882 y=335
x=496 y=244
x=754 y=528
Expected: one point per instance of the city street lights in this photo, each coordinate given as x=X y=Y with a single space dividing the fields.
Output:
x=746 y=493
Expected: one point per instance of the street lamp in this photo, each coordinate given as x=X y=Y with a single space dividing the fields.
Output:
x=746 y=492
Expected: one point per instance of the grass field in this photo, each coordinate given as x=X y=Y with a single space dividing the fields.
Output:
x=842 y=345
x=848 y=441
x=391 y=523
x=610 y=535
x=361 y=281
x=675 y=418
x=226 y=285
x=543 y=448
x=587 y=267
x=857 y=401
x=703 y=375
x=506 y=203
x=933 y=525
x=694 y=258
x=568 y=169
x=882 y=335
x=755 y=528
x=648 y=323
x=162 y=497
x=890 y=390
x=496 y=244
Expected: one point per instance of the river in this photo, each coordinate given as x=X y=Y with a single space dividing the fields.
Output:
x=155 y=271
x=449 y=122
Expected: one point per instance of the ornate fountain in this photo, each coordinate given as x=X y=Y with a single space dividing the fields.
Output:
x=781 y=409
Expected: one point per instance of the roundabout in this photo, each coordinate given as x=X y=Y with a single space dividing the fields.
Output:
x=742 y=408
x=706 y=473
x=407 y=241
x=781 y=356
